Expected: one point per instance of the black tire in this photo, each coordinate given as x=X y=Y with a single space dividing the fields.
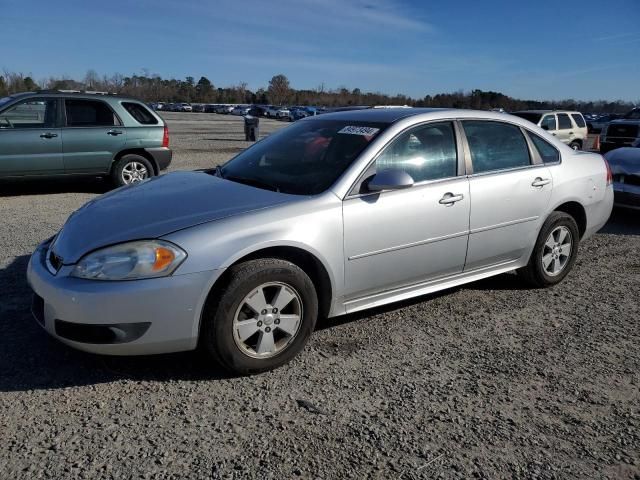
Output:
x=120 y=164
x=576 y=145
x=534 y=273
x=217 y=335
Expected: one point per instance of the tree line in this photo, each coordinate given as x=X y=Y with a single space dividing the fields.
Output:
x=154 y=88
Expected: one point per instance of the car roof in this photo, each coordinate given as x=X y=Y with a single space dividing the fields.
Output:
x=378 y=115
x=73 y=93
x=546 y=111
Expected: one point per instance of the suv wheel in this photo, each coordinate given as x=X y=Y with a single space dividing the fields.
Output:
x=554 y=253
x=130 y=169
x=262 y=318
x=576 y=145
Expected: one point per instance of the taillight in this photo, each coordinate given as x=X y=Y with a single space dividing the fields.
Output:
x=609 y=173
x=165 y=137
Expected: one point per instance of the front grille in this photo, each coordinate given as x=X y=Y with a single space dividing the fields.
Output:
x=622 y=130
x=37 y=308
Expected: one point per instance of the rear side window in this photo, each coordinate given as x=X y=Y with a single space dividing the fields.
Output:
x=563 y=121
x=549 y=122
x=425 y=153
x=89 y=113
x=579 y=120
x=140 y=113
x=547 y=152
x=496 y=146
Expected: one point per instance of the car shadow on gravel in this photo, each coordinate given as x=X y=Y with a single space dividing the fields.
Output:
x=31 y=360
x=43 y=186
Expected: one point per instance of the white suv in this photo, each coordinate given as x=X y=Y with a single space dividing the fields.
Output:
x=569 y=127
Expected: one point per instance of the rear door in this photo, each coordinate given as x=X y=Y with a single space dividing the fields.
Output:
x=30 y=141
x=509 y=193
x=92 y=136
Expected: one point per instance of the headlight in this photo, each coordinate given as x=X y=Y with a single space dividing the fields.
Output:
x=131 y=260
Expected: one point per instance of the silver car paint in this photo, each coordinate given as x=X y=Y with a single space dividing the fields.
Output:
x=415 y=246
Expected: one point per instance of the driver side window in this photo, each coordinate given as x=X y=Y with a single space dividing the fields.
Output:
x=426 y=153
x=31 y=113
x=549 y=121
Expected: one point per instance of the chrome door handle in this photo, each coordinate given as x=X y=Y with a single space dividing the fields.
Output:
x=541 y=182
x=48 y=135
x=449 y=198
x=114 y=132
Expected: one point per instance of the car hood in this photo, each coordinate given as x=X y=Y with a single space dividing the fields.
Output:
x=625 y=161
x=155 y=208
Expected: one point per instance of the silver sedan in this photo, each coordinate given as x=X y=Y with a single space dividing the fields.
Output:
x=331 y=215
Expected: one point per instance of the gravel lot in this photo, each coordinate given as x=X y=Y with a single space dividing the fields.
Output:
x=490 y=380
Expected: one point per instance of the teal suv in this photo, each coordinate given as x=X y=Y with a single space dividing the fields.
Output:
x=49 y=133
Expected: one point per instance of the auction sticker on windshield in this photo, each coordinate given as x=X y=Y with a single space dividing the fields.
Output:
x=365 y=131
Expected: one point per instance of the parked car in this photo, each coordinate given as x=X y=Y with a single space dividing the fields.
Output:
x=198 y=107
x=247 y=258
x=240 y=110
x=624 y=132
x=210 y=108
x=225 y=109
x=52 y=133
x=625 y=167
x=298 y=113
x=272 y=111
x=596 y=124
x=183 y=107
x=569 y=127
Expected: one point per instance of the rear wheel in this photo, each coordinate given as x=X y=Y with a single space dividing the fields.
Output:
x=131 y=168
x=576 y=145
x=262 y=318
x=554 y=253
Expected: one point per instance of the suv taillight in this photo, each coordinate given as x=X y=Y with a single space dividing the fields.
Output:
x=609 y=173
x=165 y=137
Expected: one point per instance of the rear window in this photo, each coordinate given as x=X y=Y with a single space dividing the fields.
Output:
x=579 y=120
x=89 y=113
x=563 y=121
x=140 y=113
x=547 y=152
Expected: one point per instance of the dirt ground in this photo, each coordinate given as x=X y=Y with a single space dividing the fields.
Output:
x=489 y=380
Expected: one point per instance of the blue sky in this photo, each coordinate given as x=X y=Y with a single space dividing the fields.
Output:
x=542 y=49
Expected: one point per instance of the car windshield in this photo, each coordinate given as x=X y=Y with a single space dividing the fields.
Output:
x=532 y=117
x=303 y=159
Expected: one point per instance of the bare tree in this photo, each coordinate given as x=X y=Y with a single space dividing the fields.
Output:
x=279 y=89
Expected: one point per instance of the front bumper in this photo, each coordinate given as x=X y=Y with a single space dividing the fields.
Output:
x=162 y=156
x=158 y=315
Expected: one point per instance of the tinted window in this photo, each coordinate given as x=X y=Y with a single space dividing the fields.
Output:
x=303 y=159
x=547 y=152
x=32 y=113
x=140 y=113
x=563 y=121
x=549 y=121
x=579 y=120
x=495 y=146
x=89 y=113
x=425 y=153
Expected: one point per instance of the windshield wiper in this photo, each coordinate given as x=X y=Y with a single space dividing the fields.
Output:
x=252 y=182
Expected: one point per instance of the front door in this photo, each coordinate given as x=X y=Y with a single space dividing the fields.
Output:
x=509 y=194
x=30 y=140
x=92 y=136
x=403 y=237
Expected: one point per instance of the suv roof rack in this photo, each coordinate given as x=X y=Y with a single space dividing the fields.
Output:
x=81 y=92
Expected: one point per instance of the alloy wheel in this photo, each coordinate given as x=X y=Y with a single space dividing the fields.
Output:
x=134 y=172
x=267 y=320
x=556 y=252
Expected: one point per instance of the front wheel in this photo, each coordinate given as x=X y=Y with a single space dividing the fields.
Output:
x=554 y=253
x=262 y=318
